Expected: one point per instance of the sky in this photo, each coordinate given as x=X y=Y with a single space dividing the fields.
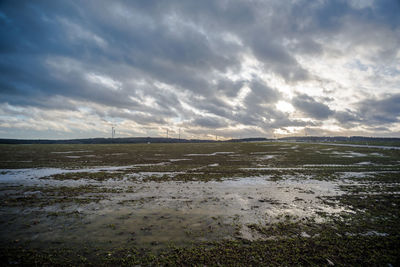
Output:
x=225 y=68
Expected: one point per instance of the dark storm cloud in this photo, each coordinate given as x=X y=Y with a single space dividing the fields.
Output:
x=311 y=107
x=229 y=88
x=372 y=112
x=258 y=104
x=147 y=61
x=141 y=118
x=277 y=58
x=347 y=117
x=209 y=122
x=380 y=111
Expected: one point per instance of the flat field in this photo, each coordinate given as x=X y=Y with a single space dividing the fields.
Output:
x=260 y=203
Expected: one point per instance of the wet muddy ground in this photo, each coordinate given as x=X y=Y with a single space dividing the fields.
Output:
x=184 y=204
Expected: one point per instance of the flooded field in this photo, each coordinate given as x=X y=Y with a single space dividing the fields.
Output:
x=202 y=204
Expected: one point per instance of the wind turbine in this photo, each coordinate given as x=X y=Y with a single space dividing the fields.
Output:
x=112 y=131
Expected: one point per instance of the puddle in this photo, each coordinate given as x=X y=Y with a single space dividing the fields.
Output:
x=181 y=212
x=34 y=174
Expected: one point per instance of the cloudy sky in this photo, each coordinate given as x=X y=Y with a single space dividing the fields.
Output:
x=232 y=68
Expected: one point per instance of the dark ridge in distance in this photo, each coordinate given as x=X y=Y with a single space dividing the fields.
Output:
x=129 y=140
x=138 y=140
x=339 y=139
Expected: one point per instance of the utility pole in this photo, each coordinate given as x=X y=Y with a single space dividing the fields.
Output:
x=179 y=133
x=112 y=131
x=167 y=133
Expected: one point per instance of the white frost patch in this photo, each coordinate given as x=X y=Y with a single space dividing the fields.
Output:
x=353 y=145
x=375 y=233
x=266 y=157
x=213 y=165
x=370 y=233
x=346 y=175
x=142 y=175
x=377 y=154
x=365 y=163
x=212 y=154
x=175 y=160
x=70 y=152
x=24 y=161
x=349 y=154
x=73 y=157
x=151 y=164
x=269 y=168
x=304 y=234
x=357 y=154
x=327 y=165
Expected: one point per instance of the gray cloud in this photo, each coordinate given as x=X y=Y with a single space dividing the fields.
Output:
x=373 y=113
x=311 y=107
x=172 y=62
x=348 y=117
x=380 y=111
x=209 y=122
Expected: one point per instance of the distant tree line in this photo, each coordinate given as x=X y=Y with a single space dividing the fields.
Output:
x=138 y=140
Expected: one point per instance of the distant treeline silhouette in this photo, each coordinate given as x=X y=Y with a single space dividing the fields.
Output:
x=137 y=140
